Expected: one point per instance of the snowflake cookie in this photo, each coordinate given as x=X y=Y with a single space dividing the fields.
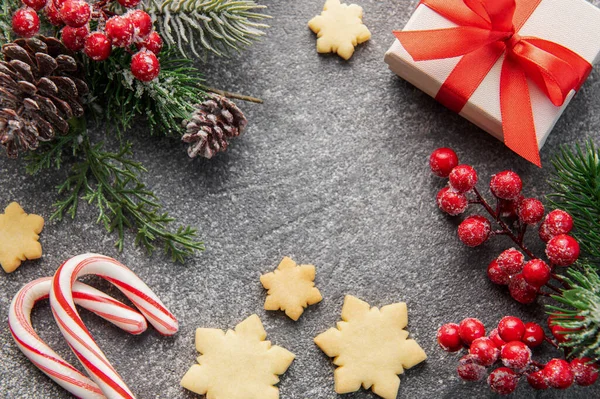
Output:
x=19 y=237
x=237 y=364
x=291 y=288
x=370 y=347
x=339 y=28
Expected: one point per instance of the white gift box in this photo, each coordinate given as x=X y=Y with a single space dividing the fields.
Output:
x=574 y=24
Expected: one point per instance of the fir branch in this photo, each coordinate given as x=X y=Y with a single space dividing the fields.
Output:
x=118 y=98
x=7 y=9
x=218 y=26
x=576 y=186
x=582 y=313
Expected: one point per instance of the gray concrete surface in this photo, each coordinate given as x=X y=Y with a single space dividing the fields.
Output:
x=332 y=171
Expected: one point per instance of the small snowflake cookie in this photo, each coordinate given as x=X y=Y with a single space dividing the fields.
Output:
x=19 y=237
x=237 y=364
x=291 y=288
x=370 y=348
x=339 y=28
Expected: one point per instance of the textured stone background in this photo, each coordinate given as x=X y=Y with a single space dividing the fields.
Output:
x=332 y=171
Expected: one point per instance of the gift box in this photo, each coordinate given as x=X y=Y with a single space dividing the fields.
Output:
x=509 y=66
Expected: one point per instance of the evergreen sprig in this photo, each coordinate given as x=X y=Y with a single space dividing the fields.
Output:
x=576 y=189
x=7 y=9
x=218 y=26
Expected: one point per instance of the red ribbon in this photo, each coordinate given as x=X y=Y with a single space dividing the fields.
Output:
x=486 y=30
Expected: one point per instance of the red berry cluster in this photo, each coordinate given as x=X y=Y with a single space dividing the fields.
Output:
x=513 y=213
x=131 y=30
x=510 y=344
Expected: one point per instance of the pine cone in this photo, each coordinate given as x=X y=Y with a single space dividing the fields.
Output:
x=213 y=123
x=40 y=90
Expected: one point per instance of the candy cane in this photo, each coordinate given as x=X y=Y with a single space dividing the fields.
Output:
x=77 y=335
x=41 y=355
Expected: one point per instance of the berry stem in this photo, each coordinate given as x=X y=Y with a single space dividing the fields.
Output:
x=558 y=291
x=551 y=342
x=507 y=231
x=561 y=280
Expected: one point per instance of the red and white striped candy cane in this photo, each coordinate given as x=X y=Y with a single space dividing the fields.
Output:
x=41 y=355
x=75 y=332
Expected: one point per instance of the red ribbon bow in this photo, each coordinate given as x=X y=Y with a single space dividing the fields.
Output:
x=487 y=29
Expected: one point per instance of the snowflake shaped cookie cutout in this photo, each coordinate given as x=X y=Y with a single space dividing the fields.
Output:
x=19 y=237
x=237 y=364
x=339 y=28
x=291 y=288
x=370 y=348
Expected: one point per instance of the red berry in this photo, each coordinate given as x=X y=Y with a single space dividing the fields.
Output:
x=585 y=371
x=470 y=329
x=75 y=13
x=496 y=274
x=537 y=380
x=562 y=250
x=448 y=337
x=530 y=211
x=496 y=339
x=463 y=178
x=119 y=30
x=451 y=202
x=536 y=272
x=74 y=38
x=521 y=290
x=129 y=3
x=506 y=185
x=145 y=65
x=534 y=335
x=503 y=381
x=560 y=333
x=442 y=161
x=142 y=23
x=53 y=15
x=516 y=355
x=485 y=350
x=153 y=43
x=469 y=368
x=97 y=46
x=556 y=222
x=474 y=230
x=25 y=22
x=511 y=328
x=558 y=373
x=35 y=4
x=508 y=208
x=511 y=261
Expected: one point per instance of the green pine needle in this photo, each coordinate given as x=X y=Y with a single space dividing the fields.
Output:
x=218 y=26
x=576 y=186
x=7 y=9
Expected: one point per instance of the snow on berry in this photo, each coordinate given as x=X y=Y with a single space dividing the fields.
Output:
x=119 y=30
x=534 y=335
x=511 y=261
x=469 y=368
x=530 y=211
x=506 y=185
x=25 y=22
x=521 y=290
x=451 y=202
x=129 y=3
x=97 y=46
x=75 y=13
x=474 y=230
x=35 y=4
x=496 y=274
x=560 y=333
x=470 y=329
x=153 y=43
x=537 y=380
x=485 y=351
x=557 y=222
x=142 y=24
x=442 y=161
x=516 y=355
x=511 y=328
x=503 y=381
x=558 y=373
x=53 y=15
x=562 y=250
x=448 y=337
x=145 y=65
x=463 y=178
x=74 y=38
x=585 y=371
x=496 y=339
x=537 y=272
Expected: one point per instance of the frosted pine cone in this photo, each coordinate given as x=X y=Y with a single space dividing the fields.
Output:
x=214 y=122
x=39 y=92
